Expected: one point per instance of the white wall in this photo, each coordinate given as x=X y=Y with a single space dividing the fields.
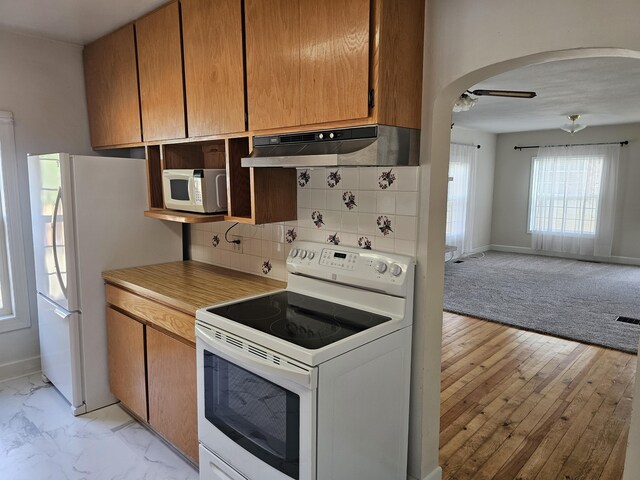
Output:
x=466 y=42
x=42 y=83
x=512 y=177
x=482 y=202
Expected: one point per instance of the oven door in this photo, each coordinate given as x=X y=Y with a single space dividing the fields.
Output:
x=256 y=409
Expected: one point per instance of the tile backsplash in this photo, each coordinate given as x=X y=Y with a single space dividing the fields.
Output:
x=367 y=207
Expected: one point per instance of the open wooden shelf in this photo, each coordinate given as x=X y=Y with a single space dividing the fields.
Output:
x=254 y=195
x=183 y=217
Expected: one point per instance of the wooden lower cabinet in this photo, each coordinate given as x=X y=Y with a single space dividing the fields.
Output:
x=151 y=372
x=127 y=376
x=171 y=370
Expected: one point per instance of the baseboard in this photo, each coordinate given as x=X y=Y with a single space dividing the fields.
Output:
x=590 y=258
x=19 y=368
x=486 y=248
x=435 y=475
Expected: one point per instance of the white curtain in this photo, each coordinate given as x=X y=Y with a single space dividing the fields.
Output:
x=573 y=198
x=462 y=164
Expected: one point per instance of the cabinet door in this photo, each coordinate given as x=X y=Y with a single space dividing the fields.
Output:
x=334 y=60
x=125 y=338
x=171 y=367
x=213 y=66
x=273 y=63
x=111 y=83
x=160 y=68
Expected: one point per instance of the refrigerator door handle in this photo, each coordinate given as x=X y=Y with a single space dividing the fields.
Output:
x=54 y=220
x=61 y=314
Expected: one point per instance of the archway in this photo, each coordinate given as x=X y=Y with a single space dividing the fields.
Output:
x=436 y=132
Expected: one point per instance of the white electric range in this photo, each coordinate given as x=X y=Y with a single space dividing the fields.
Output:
x=311 y=382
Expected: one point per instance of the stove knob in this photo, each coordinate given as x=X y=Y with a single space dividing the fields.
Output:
x=294 y=253
x=303 y=253
x=311 y=255
x=395 y=269
x=380 y=267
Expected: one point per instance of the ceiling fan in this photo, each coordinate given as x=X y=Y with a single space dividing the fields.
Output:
x=466 y=101
x=502 y=93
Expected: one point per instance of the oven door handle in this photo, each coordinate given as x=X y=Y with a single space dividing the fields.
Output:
x=242 y=358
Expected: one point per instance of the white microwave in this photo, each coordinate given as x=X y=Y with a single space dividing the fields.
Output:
x=199 y=190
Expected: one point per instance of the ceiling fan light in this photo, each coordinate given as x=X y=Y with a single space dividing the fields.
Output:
x=464 y=103
x=573 y=128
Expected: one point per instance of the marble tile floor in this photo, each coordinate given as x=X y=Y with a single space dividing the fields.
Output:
x=41 y=440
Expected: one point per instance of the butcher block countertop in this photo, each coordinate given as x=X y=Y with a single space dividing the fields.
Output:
x=183 y=286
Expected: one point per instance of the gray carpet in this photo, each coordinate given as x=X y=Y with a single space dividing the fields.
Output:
x=565 y=298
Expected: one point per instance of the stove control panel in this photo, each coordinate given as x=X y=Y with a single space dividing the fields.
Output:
x=350 y=265
x=301 y=254
x=338 y=259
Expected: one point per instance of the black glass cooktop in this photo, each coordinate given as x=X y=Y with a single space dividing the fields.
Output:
x=300 y=319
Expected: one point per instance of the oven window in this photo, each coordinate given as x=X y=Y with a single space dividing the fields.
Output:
x=258 y=415
x=179 y=189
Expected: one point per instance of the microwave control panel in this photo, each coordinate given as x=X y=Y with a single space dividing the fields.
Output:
x=197 y=190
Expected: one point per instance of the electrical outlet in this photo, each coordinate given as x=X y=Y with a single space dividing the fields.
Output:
x=236 y=247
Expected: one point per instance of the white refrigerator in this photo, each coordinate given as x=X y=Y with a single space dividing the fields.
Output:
x=87 y=217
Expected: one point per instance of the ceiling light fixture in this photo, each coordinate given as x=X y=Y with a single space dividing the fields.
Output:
x=573 y=127
x=464 y=103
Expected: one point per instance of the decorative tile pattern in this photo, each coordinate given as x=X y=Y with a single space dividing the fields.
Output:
x=349 y=200
x=367 y=207
x=333 y=179
x=266 y=267
x=291 y=235
x=364 y=242
x=316 y=216
x=384 y=225
x=386 y=179
x=303 y=178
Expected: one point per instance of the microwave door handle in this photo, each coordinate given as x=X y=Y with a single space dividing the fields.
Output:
x=243 y=358
x=221 y=186
x=54 y=221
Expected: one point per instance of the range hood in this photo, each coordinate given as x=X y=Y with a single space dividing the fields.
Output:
x=372 y=145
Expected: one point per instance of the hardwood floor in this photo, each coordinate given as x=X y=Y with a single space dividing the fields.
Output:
x=517 y=405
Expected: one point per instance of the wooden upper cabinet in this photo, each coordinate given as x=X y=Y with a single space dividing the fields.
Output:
x=397 y=62
x=307 y=61
x=313 y=62
x=334 y=60
x=213 y=66
x=160 y=69
x=111 y=83
x=273 y=63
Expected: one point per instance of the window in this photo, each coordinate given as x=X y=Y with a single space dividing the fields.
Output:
x=572 y=199
x=565 y=194
x=14 y=309
x=462 y=160
x=457 y=199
